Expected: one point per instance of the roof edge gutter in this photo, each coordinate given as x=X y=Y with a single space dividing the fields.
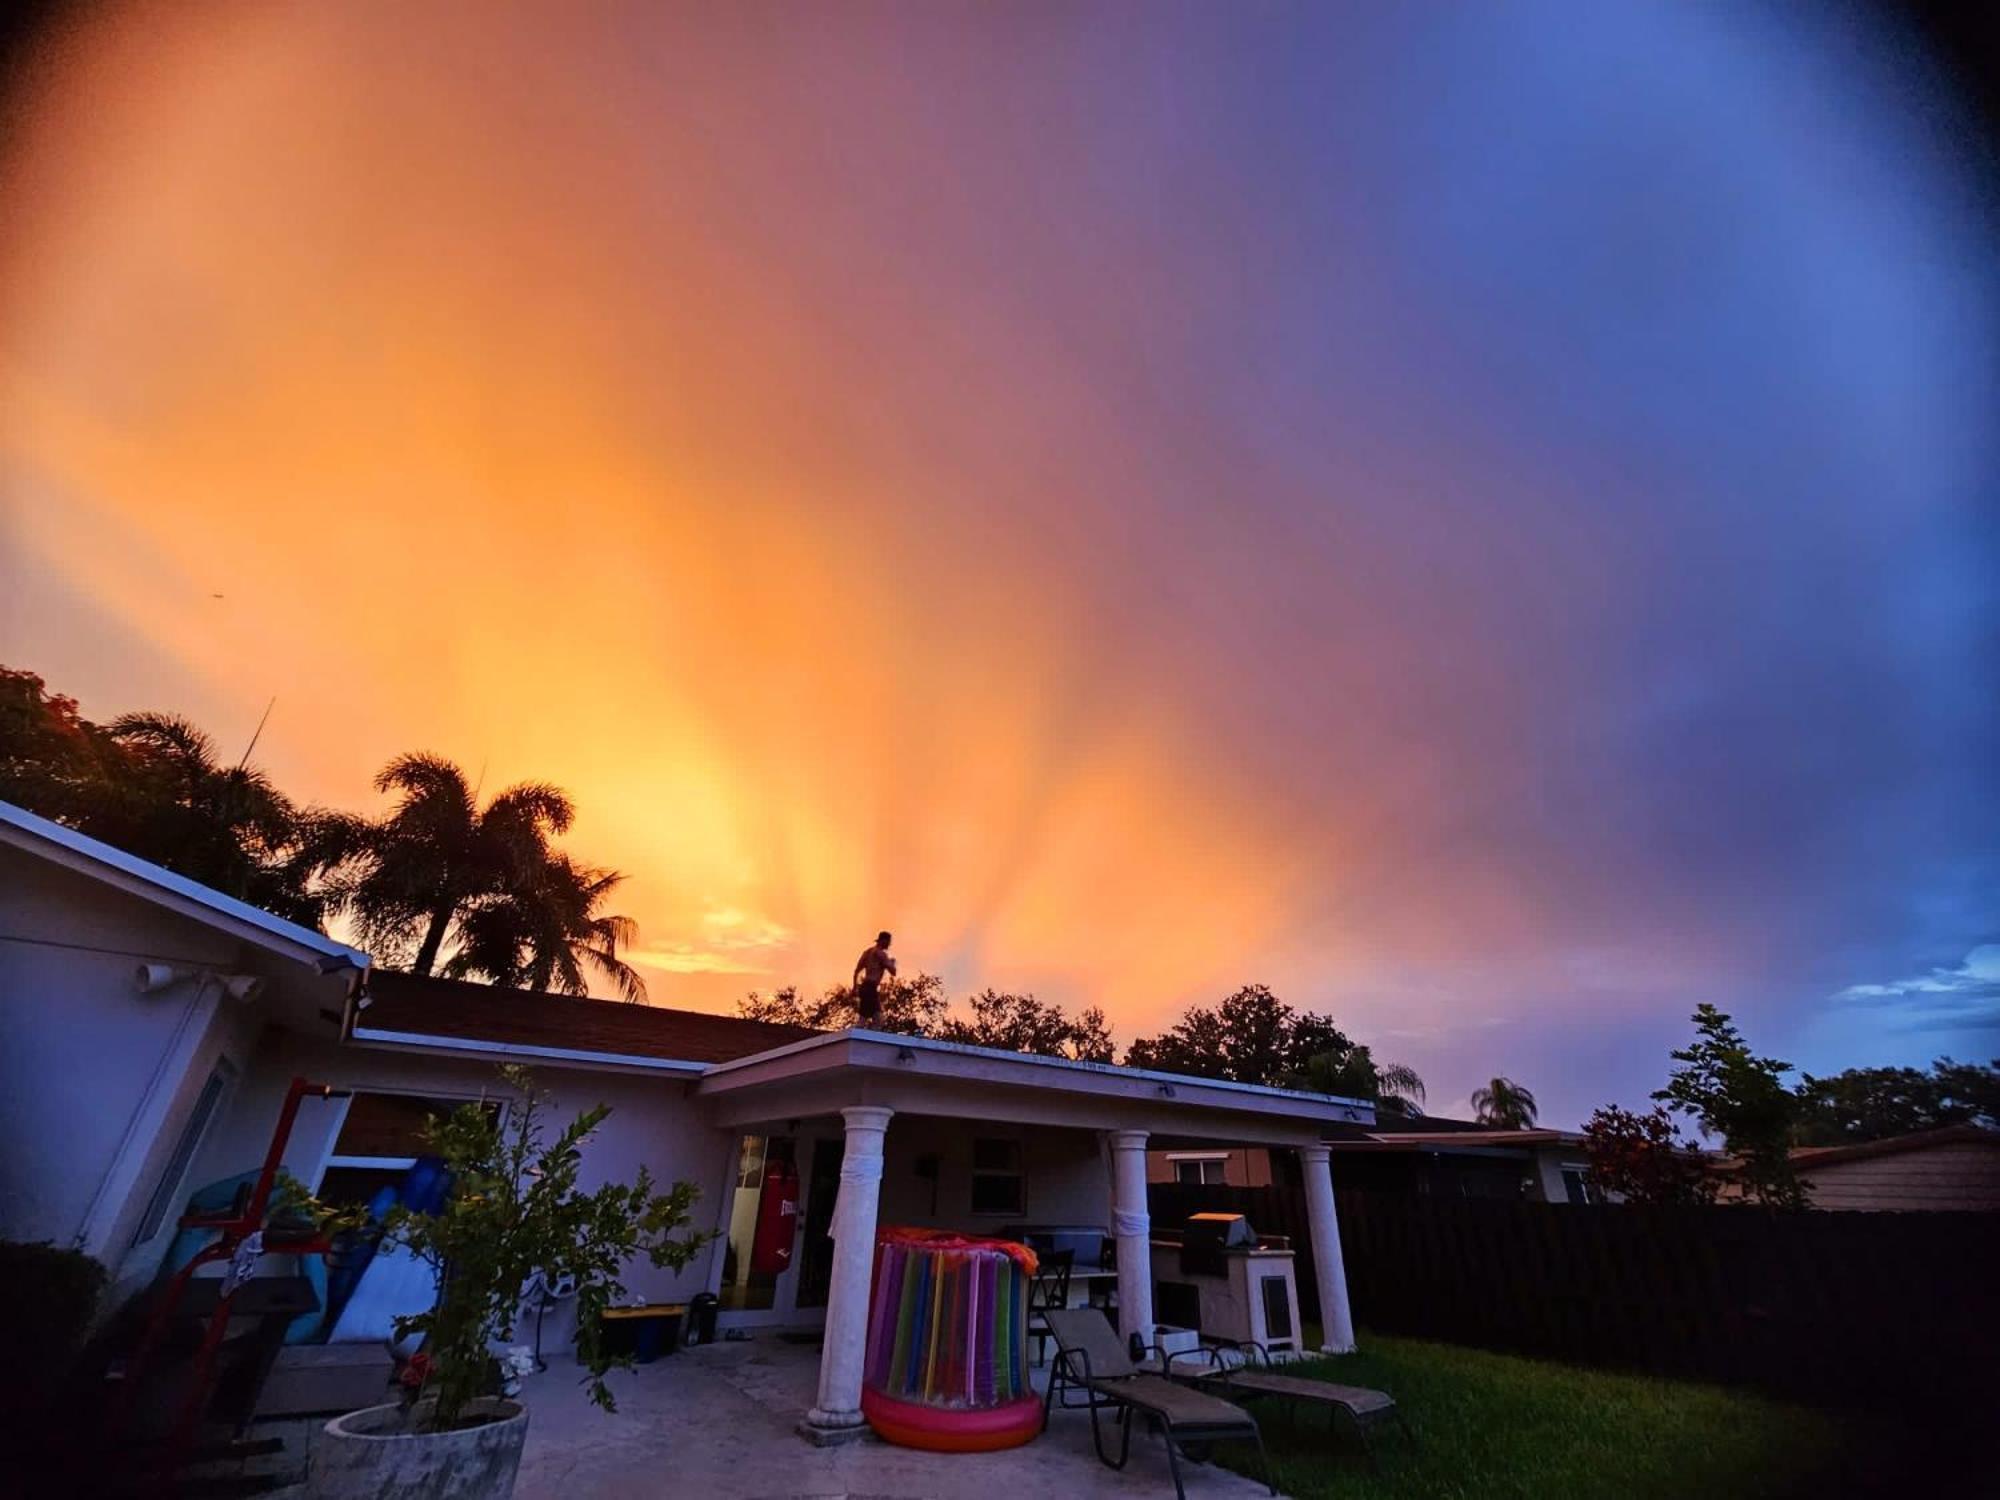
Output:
x=427 y=1042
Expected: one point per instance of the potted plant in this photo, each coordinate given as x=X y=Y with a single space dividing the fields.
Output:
x=514 y=1209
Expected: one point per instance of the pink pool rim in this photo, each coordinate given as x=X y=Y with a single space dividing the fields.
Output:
x=947 y=1358
x=980 y=1429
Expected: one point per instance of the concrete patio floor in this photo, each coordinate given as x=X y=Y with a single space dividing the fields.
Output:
x=717 y=1422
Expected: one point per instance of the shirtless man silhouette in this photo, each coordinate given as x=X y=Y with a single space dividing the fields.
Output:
x=869 y=970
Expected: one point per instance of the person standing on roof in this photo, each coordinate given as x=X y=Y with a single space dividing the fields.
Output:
x=869 y=971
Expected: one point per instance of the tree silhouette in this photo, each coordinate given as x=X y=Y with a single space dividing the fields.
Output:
x=409 y=878
x=1504 y=1104
x=546 y=932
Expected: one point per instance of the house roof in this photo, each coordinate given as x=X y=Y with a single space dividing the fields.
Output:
x=1418 y=1125
x=1807 y=1157
x=961 y=1064
x=411 y=1008
x=161 y=886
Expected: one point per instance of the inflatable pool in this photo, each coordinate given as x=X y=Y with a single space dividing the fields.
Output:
x=947 y=1365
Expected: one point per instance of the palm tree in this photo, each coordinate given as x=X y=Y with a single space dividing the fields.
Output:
x=1398 y=1090
x=1504 y=1104
x=172 y=801
x=409 y=878
x=1395 y=1088
x=545 y=932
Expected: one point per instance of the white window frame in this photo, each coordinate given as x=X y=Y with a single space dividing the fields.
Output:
x=160 y=1213
x=1019 y=1176
x=1220 y=1161
x=1582 y=1170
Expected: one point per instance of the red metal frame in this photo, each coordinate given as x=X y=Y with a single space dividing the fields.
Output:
x=234 y=1227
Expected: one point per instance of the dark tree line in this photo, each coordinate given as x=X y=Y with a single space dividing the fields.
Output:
x=1250 y=1037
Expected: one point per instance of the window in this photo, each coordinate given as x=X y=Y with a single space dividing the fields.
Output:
x=996 y=1176
x=205 y=1106
x=1200 y=1171
x=1577 y=1187
x=380 y=1139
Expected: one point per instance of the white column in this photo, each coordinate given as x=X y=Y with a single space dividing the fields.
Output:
x=837 y=1417
x=1133 y=1227
x=1336 y=1317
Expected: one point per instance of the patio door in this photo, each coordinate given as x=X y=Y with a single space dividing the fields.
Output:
x=816 y=1244
x=768 y=1217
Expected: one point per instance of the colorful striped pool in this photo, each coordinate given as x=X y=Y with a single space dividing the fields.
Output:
x=947 y=1362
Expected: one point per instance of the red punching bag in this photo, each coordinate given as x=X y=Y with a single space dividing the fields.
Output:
x=777 y=1218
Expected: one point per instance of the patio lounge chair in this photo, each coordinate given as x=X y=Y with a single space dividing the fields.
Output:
x=1091 y=1358
x=1257 y=1376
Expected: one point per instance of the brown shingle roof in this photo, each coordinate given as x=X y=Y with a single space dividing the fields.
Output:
x=450 y=1008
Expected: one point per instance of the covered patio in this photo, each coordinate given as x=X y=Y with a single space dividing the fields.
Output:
x=902 y=1129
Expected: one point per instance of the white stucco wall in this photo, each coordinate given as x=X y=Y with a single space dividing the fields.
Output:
x=87 y=1062
x=652 y=1122
x=1064 y=1180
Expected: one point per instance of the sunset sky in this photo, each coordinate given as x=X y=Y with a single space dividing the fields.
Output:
x=1479 y=517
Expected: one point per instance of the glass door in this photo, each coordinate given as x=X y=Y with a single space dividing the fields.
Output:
x=772 y=1274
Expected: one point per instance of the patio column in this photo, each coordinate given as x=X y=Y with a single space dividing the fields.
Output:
x=1336 y=1317
x=837 y=1416
x=1133 y=1227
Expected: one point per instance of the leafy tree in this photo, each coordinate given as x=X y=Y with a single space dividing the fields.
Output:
x=1504 y=1104
x=917 y=1007
x=1870 y=1104
x=53 y=761
x=1734 y=1094
x=412 y=876
x=1643 y=1159
x=151 y=784
x=1250 y=1037
x=515 y=1210
x=913 y=1007
x=1021 y=1023
x=1254 y=1037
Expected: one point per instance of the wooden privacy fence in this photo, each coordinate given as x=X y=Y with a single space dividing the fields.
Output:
x=1816 y=1305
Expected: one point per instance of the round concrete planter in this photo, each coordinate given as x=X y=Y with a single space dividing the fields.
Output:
x=375 y=1453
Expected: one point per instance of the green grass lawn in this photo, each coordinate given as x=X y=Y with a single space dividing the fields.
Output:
x=1496 y=1425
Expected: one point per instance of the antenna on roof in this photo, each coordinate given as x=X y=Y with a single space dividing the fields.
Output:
x=259 y=734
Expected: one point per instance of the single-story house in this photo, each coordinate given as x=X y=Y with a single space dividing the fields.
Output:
x=1428 y=1154
x=1953 y=1168
x=149 y=1028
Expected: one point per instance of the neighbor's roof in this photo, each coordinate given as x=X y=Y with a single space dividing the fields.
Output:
x=151 y=882
x=1808 y=1157
x=1415 y=1140
x=413 y=1009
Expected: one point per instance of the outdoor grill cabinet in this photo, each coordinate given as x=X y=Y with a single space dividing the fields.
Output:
x=1217 y=1274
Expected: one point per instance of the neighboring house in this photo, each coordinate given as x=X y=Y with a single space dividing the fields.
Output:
x=1955 y=1168
x=124 y=1087
x=1420 y=1154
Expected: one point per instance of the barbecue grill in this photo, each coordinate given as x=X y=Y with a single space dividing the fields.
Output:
x=1207 y=1239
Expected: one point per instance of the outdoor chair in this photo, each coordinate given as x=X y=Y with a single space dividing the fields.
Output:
x=1256 y=1375
x=1091 y=1358
x=1049 y=1292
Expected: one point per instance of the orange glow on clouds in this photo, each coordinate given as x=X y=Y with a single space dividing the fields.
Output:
x=950 y=469
x=487 y=453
